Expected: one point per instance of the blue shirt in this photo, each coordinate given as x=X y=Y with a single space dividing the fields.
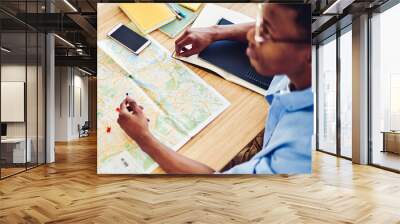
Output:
x=288 y=131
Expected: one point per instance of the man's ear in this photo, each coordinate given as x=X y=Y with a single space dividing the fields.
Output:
x=308 y=53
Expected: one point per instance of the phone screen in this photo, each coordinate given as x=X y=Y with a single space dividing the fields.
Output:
x=129 y=38
x=223 y=21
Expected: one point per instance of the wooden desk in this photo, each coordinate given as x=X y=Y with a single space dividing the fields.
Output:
x=15 y=149
x=222 y=139
x=391 y=141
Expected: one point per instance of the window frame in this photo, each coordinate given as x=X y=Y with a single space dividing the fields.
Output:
x=334 y=37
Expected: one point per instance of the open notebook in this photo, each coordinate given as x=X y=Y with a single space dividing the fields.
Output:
x=210 y=58
x=231 y=56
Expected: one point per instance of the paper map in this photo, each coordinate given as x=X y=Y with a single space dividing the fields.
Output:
x=177 y=102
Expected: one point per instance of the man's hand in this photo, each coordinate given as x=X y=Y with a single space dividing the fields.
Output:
x=193 y=41
x=133 y=121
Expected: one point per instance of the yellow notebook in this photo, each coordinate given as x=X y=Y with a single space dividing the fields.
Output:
x=148 y=16
x=191 y=6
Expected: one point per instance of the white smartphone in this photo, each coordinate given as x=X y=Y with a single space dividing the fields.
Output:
x=129 y=38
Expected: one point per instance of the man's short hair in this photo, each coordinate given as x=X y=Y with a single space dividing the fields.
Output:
x=303 y=18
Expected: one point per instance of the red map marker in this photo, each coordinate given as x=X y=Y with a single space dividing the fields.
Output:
x=108 y=129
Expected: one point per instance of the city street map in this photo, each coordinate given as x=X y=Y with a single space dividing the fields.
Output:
x=176 y=100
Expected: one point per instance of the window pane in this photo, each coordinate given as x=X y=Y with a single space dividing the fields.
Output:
x=22 y=76
x=385 y=84
x=327 y=96
x=345 y=94
x=13 y=86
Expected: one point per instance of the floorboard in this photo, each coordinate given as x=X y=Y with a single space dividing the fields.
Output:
x=70 y=191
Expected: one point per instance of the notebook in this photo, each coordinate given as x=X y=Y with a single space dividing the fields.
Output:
x=210 y=15
x=191 y=6
x=176 y=27
x=231 y=56
x=148 y=16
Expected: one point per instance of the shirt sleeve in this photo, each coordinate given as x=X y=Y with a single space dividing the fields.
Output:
x=287 y=159
x=248 y=167
x=287 y=152
x=289 y=149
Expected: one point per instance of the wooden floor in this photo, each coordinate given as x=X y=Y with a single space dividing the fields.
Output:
x=69 y=191
x=10 y=171
x=387 y=159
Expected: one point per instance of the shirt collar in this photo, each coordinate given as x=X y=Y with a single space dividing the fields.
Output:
x=292 y=100
x=278 y=84
x=297 y=100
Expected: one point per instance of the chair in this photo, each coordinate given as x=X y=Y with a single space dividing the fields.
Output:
x=247 y=152
x=84 y=130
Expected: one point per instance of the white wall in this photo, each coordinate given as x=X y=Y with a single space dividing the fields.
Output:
x=50 y=93
x=33 y=126
x=12 y=73
x=79 y=117
x=360 y=89
x=70 y=83
x=61 y=103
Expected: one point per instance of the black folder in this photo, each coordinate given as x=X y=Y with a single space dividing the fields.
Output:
x=231 y=56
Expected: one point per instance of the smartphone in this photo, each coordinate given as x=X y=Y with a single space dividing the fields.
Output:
x=129 y=38
x=223 y=21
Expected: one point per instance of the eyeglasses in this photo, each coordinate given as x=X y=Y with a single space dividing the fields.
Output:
x=262 y=34
x=259 y=34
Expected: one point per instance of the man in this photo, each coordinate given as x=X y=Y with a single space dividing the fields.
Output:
x=279 y=43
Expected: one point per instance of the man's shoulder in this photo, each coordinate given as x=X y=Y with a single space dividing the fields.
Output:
x=294 y=130
x=298 y=121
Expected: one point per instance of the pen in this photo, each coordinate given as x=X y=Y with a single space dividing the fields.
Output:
x=179 y=11
x=176 y=11
x=130 y=109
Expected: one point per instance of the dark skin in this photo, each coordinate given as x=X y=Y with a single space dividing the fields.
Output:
x=294 y=60
x=200 y=38
x=135 y=124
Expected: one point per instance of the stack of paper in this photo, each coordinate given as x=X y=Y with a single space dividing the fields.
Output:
x=175 y=27
x=191 y=6
x=148 y=16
